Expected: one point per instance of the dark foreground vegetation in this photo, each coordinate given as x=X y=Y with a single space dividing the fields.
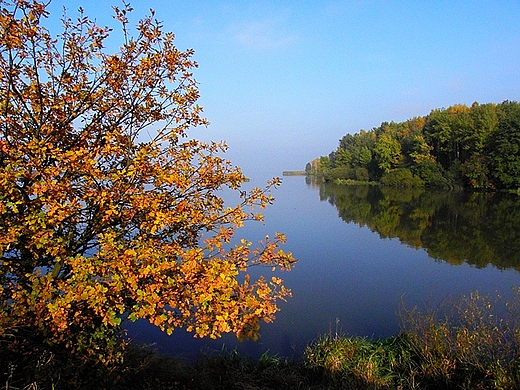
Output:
x=475 y=147
x=469 y=343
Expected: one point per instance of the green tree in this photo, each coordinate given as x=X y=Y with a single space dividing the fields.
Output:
x=325 y=163
x=463 y=131
x=364 y=156
x=359 y=147
x=343 y=157
x=431 y=174
x=438 y=132
x=476 y=173
x=504 y=148
x=485 y=121
x=419 y=149
x=388 y=152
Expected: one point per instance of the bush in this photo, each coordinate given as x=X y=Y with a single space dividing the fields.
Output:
x=473 y=341
x=401 y=177
x=431 y=174
x=475 y=173
x=342 y=173
x=357 y=362
x=362 y=174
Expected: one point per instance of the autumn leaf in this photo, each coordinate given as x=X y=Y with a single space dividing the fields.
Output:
x=107 y=207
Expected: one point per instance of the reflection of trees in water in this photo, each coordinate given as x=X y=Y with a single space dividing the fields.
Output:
x=457 y=227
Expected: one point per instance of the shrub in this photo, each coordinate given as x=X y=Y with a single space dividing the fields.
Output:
x=362 y=174
x=401 y=177
x=431 y=174
x=357 y=362
x=341 y=173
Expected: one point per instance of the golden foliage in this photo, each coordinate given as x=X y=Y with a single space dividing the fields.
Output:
x=107 y=208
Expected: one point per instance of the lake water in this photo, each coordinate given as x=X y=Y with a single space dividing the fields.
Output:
x=361 y=252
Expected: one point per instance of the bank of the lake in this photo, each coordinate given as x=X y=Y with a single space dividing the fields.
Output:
x=457 y=344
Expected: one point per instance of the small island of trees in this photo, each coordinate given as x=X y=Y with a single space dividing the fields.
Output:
x=475 y=147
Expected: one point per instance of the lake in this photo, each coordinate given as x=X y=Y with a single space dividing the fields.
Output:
x=364 y=250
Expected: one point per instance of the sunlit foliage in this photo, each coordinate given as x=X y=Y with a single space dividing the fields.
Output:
x=107 y=209
x=476 y=147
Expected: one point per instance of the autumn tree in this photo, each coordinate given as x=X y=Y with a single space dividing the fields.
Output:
x=107 y=208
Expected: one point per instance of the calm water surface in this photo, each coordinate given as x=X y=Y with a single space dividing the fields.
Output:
x=363 y=251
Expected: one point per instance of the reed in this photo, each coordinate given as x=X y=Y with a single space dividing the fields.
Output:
x=472 y=342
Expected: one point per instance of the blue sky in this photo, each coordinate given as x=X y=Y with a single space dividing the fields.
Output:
x=283 y=81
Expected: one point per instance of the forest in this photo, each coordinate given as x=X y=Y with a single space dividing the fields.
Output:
x=475 y=147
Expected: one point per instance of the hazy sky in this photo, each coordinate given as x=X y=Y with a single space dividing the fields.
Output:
x=283 y=81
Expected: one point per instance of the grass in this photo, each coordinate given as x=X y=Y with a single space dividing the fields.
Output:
x=358 y=362
x=470 y=343
x=225 y=371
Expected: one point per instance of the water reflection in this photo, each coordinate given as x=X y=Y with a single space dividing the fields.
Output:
x=458 y=227
x=354 y=271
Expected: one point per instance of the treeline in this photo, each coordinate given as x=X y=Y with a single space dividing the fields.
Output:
x=475 y=147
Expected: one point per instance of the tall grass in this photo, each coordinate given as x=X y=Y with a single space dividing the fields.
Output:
x=358 y=363
x=472 y=342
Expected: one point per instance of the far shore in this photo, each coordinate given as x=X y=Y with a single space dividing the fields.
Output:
x=294 y=173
